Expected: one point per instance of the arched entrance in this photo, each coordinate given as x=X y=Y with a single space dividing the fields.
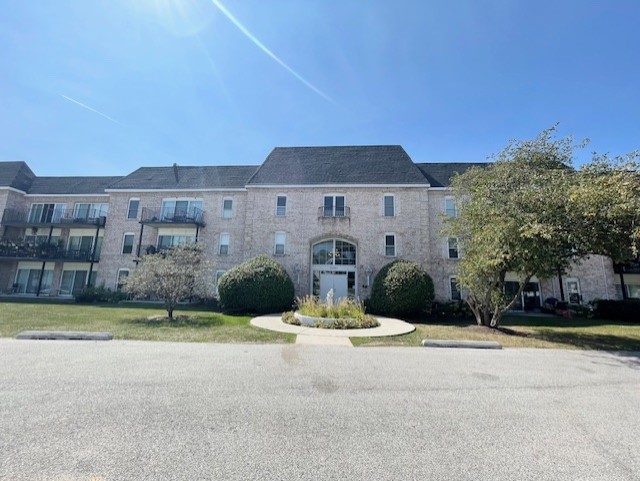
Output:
x=333 y=266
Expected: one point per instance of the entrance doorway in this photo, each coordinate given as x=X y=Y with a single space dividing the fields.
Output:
x=333 y=266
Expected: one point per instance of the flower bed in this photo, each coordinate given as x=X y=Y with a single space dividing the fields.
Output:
x=344 y=314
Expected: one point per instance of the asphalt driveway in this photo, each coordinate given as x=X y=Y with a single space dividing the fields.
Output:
x=74 y=410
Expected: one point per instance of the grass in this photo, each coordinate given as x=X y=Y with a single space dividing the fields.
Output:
x=146 y=323
x=523 y=331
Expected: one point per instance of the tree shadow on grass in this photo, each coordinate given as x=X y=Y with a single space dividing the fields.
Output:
x=179 y=321
x=601 y=342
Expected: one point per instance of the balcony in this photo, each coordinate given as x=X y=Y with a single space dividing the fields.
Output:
x=172 y=217
x=630 y=268
x=17 y=218
x=330 y=212
x=18 y=250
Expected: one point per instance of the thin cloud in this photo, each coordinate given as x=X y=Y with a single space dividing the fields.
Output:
x=262 y=47
x=89 y=108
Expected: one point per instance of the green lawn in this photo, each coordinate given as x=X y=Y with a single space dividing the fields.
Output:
x=127 y=322
x=537 y=332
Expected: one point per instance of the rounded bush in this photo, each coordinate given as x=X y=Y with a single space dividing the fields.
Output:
x=259 y=285
x=401 y=288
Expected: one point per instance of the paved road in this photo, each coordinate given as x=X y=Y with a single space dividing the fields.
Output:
x=73 y=410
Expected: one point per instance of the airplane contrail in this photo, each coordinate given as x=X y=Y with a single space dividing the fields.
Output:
x=89 y=108
x=262 y=47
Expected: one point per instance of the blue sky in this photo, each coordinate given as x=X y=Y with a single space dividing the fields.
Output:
x=101 y=87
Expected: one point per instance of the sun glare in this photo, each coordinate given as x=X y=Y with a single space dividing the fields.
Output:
x=179 y=17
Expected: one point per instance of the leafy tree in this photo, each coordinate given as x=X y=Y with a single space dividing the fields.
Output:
x=513 y=217
x=171 y=275
x=606 y=193
x=531 y=214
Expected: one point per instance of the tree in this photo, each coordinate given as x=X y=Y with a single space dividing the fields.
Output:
x=171 y=275
x=606 y=193
x=513 y=217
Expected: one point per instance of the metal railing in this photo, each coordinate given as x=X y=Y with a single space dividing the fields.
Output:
x=334 y=212
x=192 y=215
x=23 y=250
x=18 y=217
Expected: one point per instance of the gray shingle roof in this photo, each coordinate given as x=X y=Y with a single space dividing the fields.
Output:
x=439 y=174
x=372 y=164
x=187 y=177
x=16 y=174
x=71 y=185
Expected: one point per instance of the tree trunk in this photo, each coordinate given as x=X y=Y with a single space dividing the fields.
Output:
x=170 y=312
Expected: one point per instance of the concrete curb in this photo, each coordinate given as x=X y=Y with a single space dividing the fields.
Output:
x=66 y=335
x=461 y=344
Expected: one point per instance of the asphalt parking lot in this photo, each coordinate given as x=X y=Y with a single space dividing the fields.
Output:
x=120 y=410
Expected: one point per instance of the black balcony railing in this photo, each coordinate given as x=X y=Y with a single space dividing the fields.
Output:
x=191 y=215
x=334 y=212
x=12 y=217
x=629 y=268
x=23 y=250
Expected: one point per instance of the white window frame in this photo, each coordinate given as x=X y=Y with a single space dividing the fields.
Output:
x=227 y=213
x=280 y=235
x=282 y=213
x=224 y=236
x=129 y=208
x=219 y=273
x=122 y=269
x=333 y=205
x=57 y=214
x=395 y=244
x=190 y=201
x=452 y=280
x=449 y=212
x=393 y=205
x=124 y=236
x=449 y=248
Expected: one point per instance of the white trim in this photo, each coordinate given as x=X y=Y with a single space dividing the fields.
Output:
x=230 y=216
x=395 y=244
x=129 y=208
x=6 y=187
x=448 y=248
x=286 y=202
x=133 y=244
x=440 y=188
x=121 y=269
x=335 y=186
x=455 y=206
x=395 y=209
x=452 y=278
x=220 y=244
x=66 y=195
x=283 y=244
x=178 y=190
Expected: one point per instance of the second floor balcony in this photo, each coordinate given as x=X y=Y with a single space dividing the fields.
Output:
x=20 y=250
x=188 y=216
x=57 y=218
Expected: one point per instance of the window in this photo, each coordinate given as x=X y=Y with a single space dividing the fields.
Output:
x=281 y=205
x=46 y=213
x=454 y=290
x=82 y=211
x=27 y=281
x=132 y=211
x=281 y=239
x=122 y=275
x=127 y=243
x=227 y=208
x=389 y=206
x=450 y=208
x=333 y=206
x=452 y=247
x=166 y=241
x=224 y=245
x=80 y=247
x=219 y=274
x=72 y=281
x=390 y=245
x=180 y=210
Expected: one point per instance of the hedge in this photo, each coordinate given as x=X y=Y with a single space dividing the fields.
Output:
x=401 y=288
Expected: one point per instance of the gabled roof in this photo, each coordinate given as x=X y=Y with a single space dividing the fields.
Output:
x=439 y=174
x=16 y=174
x=372 y=164
x=185 y=178
x=71 y=185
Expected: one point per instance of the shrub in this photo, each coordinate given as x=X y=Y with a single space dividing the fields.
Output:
x=454 y=310
x=258 y=285
x=343 y=308
x=618 y=310
x=401 y=288
x=90 y=295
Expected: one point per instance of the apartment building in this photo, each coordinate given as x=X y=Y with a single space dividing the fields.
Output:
x=332 y=216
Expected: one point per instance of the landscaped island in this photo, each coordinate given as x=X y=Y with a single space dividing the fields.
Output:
x=346 y=313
